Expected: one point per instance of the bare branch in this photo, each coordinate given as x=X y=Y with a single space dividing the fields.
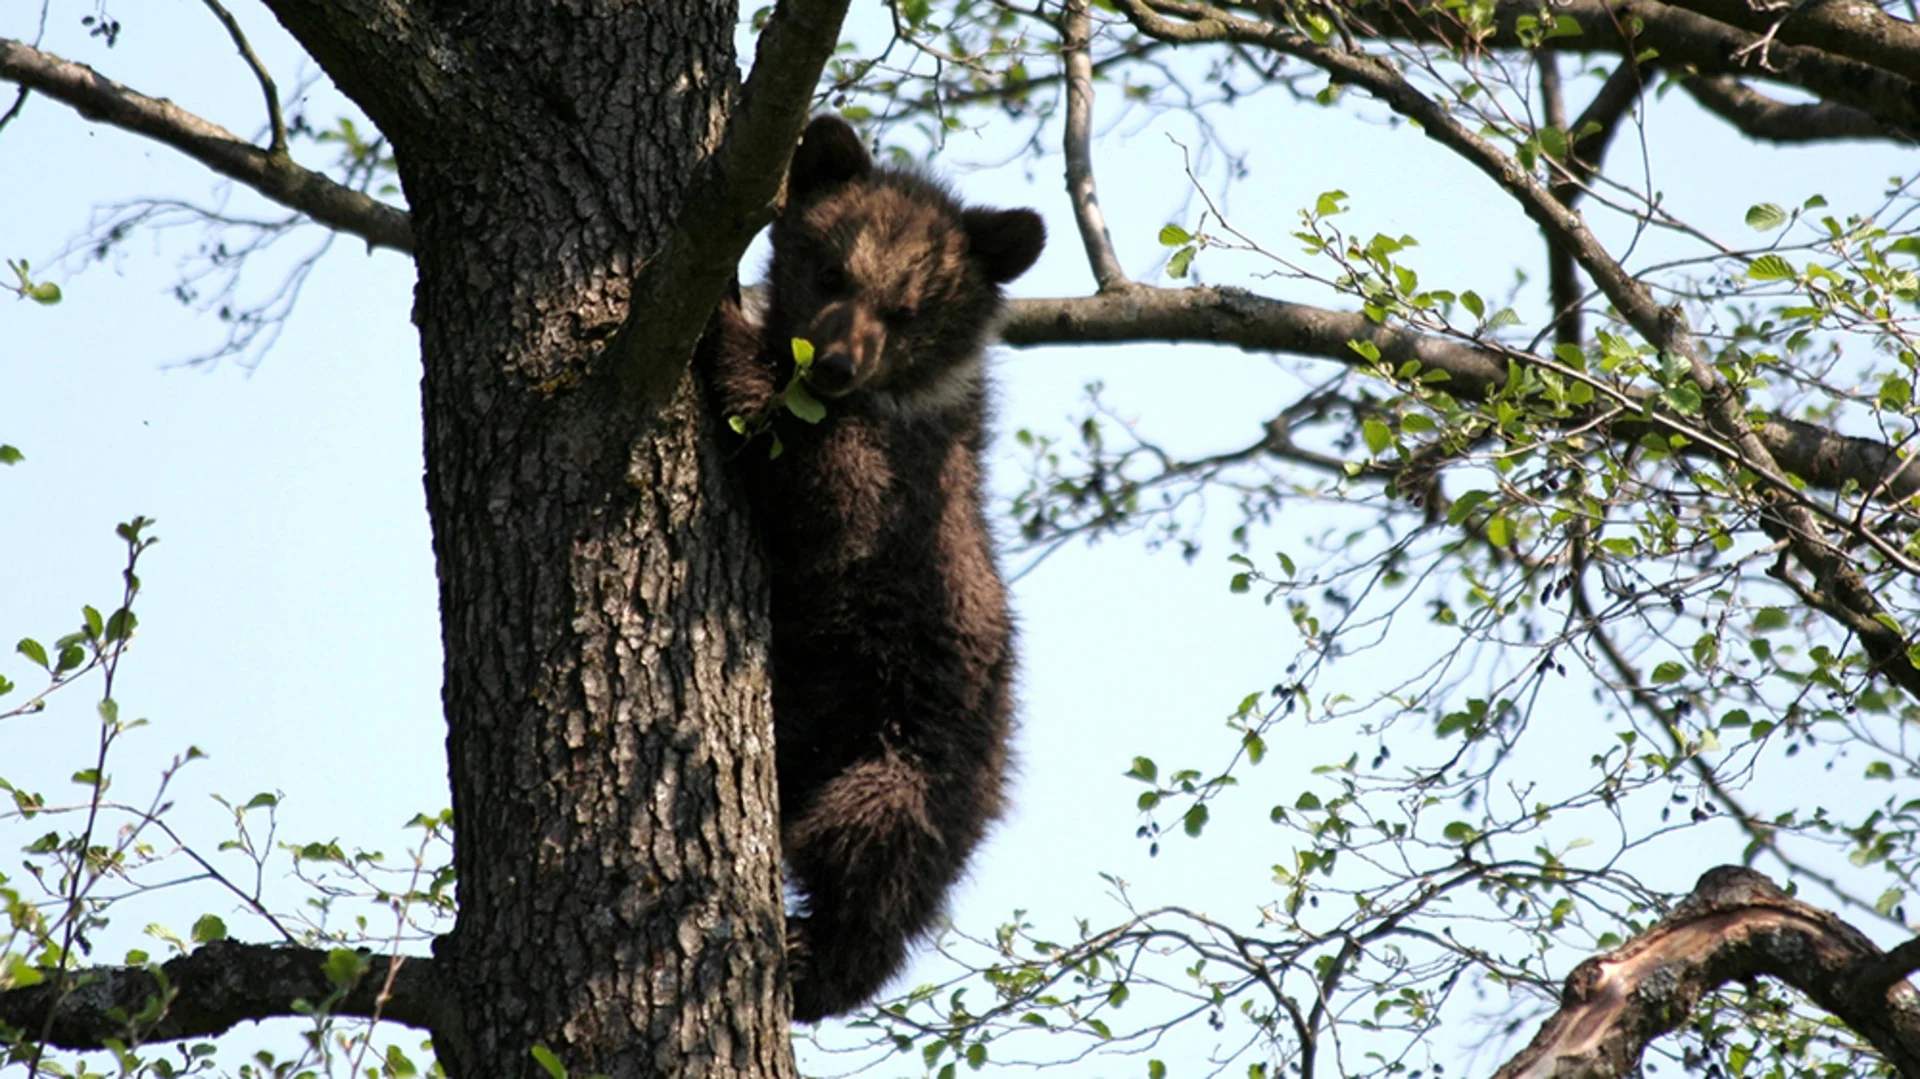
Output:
x=1076 y=56
x=19 y=102
x=1616 y=98
x=729 y=200
x=214 y=989
x=1564 y=290
x=273 y=175
x=1735 y=925
x=276 y=121
x=1761 y=117
x=1589 y=137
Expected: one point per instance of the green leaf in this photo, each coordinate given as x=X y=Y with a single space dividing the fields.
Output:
x=398 y=1065
x=1499 y=530
x=977 y=1055
x=45 y=293
x=1144 y=769
x=802 y=353
x=1770 y=268
x=803 y=404
x=1471 y=301
x=1156 y=1069
x=9 y=455
x=1328 y=204
x=1879 y=770
x=1174 y=236
x=209 y=928
x=1195 y=819
x=1768 y=619
x=1464 y=506
x=17 y=973
x=343 y=967
x=1378 y=435
x=1564 y=26
x=550 y=1062
x=1668 y=672
x=1685 y=398
x=31 y=649
x=1765 y=217
x=1181 y=260
x=738 y=424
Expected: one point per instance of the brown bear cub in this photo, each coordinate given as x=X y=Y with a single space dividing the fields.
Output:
x=892 y=642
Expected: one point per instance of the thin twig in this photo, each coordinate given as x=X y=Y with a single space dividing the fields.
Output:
x=277 y=121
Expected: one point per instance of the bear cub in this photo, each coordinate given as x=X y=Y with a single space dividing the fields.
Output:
x=892 y=644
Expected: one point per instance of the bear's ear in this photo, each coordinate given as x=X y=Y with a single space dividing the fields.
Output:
x=829 y=155
x=1004 y=242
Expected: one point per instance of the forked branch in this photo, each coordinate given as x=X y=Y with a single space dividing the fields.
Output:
x=1735 y=925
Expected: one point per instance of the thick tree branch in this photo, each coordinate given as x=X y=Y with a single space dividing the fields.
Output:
x=273 y=175
x=1854 y=29
x=1076 y=57
x=1234 y=317
x=1685 y=38
x=1760 y=117
x=1735 y=925
x=216 y=988
x=730 y=199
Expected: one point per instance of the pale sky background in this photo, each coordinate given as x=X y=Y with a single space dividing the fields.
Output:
x=288 y=627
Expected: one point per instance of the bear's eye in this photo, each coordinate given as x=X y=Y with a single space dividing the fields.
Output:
x=830 y=279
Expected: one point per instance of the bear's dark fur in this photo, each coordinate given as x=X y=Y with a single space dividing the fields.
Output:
x=892 y=642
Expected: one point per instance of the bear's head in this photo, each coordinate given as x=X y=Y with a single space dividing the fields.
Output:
x=894 y=282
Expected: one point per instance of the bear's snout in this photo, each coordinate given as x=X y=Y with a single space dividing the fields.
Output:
x=847 y=342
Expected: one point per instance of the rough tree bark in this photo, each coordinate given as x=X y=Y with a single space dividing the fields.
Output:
x=602 y=605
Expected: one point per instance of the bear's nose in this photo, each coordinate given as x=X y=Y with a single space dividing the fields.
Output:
x=832 y=370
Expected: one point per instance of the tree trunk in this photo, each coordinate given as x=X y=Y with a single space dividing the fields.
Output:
x=603 y=606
